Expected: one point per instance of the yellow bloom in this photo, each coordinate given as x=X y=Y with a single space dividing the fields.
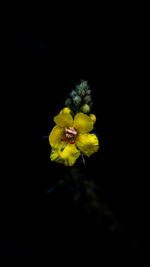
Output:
x=70 y=137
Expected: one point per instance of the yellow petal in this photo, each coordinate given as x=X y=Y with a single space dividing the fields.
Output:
x=55 y=136
x=66 y=154
x=64 y=120
x=54 y=155
x=93 y=117
x=83 y=123
x=87 y=143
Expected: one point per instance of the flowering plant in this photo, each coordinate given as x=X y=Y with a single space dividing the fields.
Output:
x=70 y=139
x=71 y=135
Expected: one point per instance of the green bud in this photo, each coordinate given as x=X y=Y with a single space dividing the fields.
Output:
x=77 y=100
x=73 y=94
x=78 y=89
x=68 y=102
x=87 y=99
x=88 y=92
x=85 y=108
x=84 y=85
x=82 y=88
x=83 y=92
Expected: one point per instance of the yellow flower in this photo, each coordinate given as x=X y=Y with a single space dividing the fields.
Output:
x=70 y=137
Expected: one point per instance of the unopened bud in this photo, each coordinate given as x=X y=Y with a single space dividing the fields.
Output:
x=68 y=102
x=87 y=99
x=66 y=110
x=93 y=117
x=73 y=94
x=85 y=108
x=88 y=92
x=83 y=92
x=77 y=100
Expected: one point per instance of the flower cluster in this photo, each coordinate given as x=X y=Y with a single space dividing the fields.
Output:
x=71 y=135
x=80 y=98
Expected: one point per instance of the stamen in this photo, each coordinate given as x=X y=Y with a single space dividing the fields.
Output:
x=70 y=134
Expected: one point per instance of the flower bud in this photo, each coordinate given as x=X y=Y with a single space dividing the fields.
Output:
x=93 y=117
x=78 y=89
x=88 y=92
x=87 y=99
x=85 y=108
x=83 y=92
x=66 y=110
x=68 y=102
x=77 y=100
x=73 y=94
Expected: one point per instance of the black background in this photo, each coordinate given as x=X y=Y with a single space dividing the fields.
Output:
x=44 y=61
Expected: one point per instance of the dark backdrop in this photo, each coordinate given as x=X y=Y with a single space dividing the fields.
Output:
x=44 y=64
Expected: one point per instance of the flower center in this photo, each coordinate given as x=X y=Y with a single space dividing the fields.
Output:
x=70 y=134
